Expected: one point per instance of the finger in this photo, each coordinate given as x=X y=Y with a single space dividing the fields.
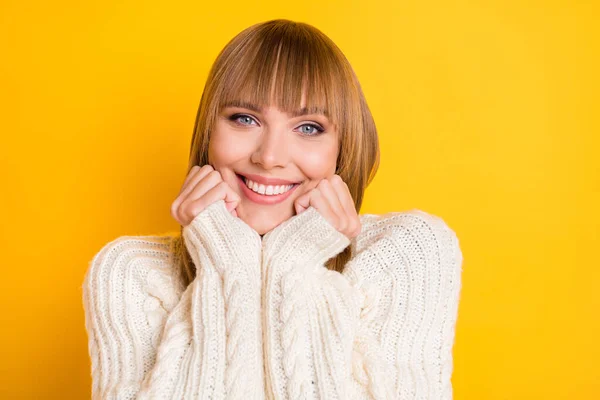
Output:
x=232 y=199
x=347 y=202
x=189 y=184
x=331 y=195
x=175 y=204
x=198 y=205
x=195 y=173
x=190 y=174
x=210 y=180
x=321 y=204
x=214 y=178
x=302 y=202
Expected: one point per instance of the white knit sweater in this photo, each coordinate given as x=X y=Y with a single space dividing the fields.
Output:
x=265 y=319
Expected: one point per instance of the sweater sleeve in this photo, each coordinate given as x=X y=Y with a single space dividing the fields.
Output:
x=203 y=341
x=382 y=329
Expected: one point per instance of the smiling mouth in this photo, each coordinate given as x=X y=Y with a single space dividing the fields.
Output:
x=266 y=190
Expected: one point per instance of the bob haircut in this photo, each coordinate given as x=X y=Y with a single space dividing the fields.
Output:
x=259 y=66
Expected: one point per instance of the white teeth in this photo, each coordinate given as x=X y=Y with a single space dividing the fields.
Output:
x=268 y=190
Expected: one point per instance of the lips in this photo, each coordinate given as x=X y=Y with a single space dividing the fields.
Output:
x=260 y=198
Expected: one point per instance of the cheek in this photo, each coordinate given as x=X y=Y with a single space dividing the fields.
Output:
x=224 y=148
x=319 y=162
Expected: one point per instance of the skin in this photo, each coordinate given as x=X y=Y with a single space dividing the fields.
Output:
x=274 y=144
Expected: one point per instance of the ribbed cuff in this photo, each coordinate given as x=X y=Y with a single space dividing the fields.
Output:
x=216 y=237
x=306 y=239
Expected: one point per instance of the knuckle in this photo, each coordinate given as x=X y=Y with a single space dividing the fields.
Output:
x=183 y=206
x=221 y=189
x=338 y=223
x=336 y=179
x=193 y=211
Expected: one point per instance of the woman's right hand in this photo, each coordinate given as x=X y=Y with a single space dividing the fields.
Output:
x=202 y=187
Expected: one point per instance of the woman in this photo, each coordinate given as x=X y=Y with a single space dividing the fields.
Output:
x=276 y=287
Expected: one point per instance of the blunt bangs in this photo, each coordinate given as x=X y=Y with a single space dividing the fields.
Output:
x=279 y=65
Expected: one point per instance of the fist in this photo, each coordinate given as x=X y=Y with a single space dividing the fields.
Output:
x=332 y=199
x=202 y=187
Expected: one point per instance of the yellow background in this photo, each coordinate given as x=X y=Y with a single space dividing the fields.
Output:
x=487 y=112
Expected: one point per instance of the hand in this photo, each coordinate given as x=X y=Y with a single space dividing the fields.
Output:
x=202 y=187
x=332 y=199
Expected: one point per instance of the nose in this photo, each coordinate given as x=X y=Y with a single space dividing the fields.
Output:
x=271 y=150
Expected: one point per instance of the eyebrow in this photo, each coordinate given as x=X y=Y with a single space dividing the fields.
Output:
x=294 y=113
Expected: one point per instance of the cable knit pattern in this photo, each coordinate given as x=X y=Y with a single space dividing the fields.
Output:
x=384 y=327
x=293 y=340
x=151 y=339
x=268 y=320
x=279 y=295
x=241 y=292
x=162 y=291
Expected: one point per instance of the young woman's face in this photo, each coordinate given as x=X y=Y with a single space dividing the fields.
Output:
x=277 y=150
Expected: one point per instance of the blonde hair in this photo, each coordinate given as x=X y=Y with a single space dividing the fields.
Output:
x=261 y=63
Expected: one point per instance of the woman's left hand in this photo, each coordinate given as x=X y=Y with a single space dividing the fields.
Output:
x=332 y=199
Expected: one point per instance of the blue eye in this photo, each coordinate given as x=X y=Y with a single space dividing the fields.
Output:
x=317 y=129
x=242 y=117
x=245 y=119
